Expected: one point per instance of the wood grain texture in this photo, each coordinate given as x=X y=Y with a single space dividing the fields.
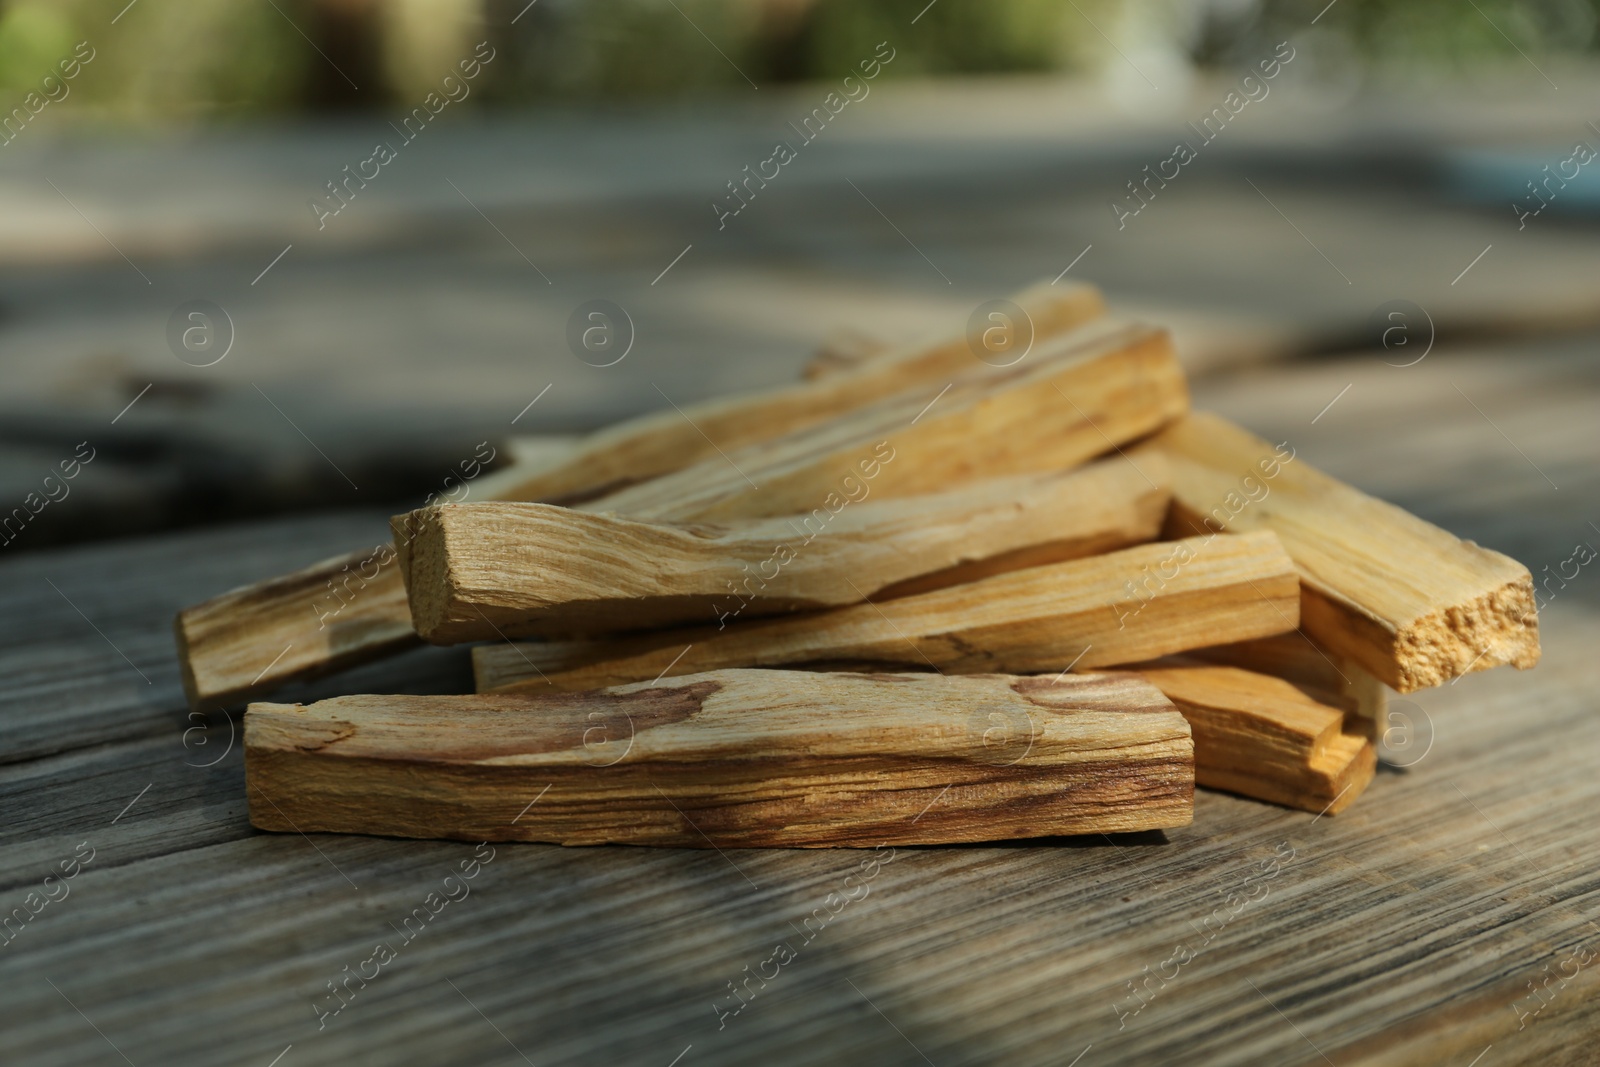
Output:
x=1326 y=677
x=337 y=613
x=1122 y=607
x=650 y=445
x=477 y=572
x=220 y=640
x=979 y=954
x=1414 y=605
x=732 y=759
x=1262 y=737
x=296 y=627
x=1402 y=932
x=1073 y=398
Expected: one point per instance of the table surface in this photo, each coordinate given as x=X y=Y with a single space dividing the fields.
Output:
x=376 y=352
x=1409 y=930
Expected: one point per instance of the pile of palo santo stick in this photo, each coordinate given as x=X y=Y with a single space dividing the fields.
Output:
x=918 y=597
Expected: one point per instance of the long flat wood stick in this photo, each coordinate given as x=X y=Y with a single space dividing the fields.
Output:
x=1122 y=607
x=337 y=613
x=1083 y=394
x=1324 y=676
x=1080 y=395
x=331 y=615
x=475 y=572
x=732 y=759
x=650 y=445
x=224 y=643
x=1263 y=737
x=1414 y=605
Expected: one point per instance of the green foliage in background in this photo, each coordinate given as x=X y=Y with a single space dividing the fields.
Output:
x=162 y=60
x=1418 y=37
x=1439 y=32
x=626 y=48
x=951 y=37
x=185 y=60
x=32 y=38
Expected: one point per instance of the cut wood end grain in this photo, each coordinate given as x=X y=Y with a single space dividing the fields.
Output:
x=732 y=759
x=1499 y=627
x=981 y=550
x=1411 y=603
x=1264 y=737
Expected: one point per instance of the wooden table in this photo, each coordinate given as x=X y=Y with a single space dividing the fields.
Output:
x=1409 y=930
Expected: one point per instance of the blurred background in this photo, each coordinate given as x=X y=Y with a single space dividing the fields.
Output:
x=271 y=256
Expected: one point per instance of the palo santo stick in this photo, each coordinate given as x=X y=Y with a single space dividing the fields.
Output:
x=221 y=642
x=731 y=759
x=654 y=444
x=476 y=572
x=293 y=628
x=1265 y=738
x=1123 y=607
x=1414 y=605
x=1325 y=677
x=323 y=618
x=1078 y=397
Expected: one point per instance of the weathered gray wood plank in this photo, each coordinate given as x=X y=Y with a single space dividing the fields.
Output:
x=979 y=955
x=1400 y=932
x=109 y=673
